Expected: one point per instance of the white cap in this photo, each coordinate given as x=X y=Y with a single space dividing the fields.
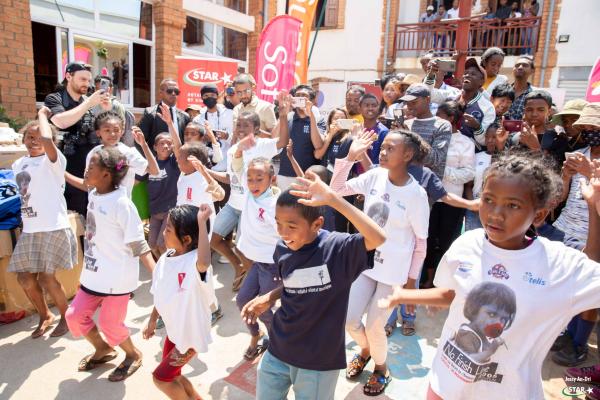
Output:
x=429 y=8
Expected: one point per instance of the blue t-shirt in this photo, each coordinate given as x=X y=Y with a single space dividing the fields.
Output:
x=162 y=189
x=304 y=151
x=381 y=132
x=308 y=329
x=429 y=181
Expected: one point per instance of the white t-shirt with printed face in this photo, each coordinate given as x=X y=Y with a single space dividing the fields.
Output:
x=136 y=162
x=112 y=222
x=191 y=189
x=179 y=292
x=258 y=229
x=42 y=186
x=403 y=213
x=509 y=307
x=266 y=148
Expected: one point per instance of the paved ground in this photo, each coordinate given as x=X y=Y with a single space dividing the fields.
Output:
x=47 y=368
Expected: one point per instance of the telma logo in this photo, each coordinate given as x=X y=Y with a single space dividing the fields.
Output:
x=529 y=278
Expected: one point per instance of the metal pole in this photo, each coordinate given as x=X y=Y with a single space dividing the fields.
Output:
x=320 y=21
x=388 y=11
x=265 y=12
x=546 y=44
x=462 y=35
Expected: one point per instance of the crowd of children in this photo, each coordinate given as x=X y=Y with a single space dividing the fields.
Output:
x=310 y=265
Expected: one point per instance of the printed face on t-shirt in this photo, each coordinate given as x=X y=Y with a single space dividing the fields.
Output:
x=110 y=132
x=259 y=178
x=33 y=142
x=507 y=211
x=295 y=230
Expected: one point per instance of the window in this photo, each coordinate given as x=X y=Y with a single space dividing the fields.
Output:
x=44 y=59
x=237 y=5
x=209 y=38
x=142 y=81
x=330 y=17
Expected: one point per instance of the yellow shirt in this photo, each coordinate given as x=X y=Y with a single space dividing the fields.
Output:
x=264 y=109
x=488 y=81
x=358 y=117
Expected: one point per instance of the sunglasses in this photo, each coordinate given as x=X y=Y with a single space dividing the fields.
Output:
x=174 y=91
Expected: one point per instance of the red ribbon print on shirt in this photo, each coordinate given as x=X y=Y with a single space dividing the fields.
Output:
x=261 y=212
x=189 y=193
x=181 y=277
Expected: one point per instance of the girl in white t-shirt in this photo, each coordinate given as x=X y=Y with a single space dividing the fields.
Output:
x=114 y=247
x=509 y=291
x=182 y=289
x=396 y=201
x=257 y=241
x=47 y=241
x=109 y=128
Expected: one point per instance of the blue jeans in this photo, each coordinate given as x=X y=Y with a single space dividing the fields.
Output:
x=405 y=316
x=275 y=378
x=472 y=220
x=261 y=279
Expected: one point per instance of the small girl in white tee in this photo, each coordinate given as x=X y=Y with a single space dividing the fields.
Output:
x=257 y=241
x=396 y=201
x=47 y=241
x=181 y=285
x=494 y=340
x=114 y=247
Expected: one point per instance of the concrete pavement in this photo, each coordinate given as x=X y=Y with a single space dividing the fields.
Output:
x=46 y=368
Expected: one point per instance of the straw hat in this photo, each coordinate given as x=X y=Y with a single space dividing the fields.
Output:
x=571 y=107
x=590 y=115
x=409 y=79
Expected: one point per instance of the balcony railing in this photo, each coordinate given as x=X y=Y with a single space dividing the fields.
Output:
x=515 y=36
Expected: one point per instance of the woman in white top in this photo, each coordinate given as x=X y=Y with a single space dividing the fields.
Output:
x=47 y=241
x=494 y=341
x=182 y=290
x=396 y=201
x=492 y=60
x=445 y=221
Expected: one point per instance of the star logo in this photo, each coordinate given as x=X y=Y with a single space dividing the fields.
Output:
x=226 y=78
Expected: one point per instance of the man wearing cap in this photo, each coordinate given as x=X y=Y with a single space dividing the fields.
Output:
x=479 y=111
x=152 y=125
x=71 y=114
x=220 y=120
x=244 y=85
x=434 y=130
x=427 y=16
x=565 y=137
x=193 y=110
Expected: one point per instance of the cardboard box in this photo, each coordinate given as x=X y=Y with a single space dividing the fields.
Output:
x=10 y=153
x=12 y=296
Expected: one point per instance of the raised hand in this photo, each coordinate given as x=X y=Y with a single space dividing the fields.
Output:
x=209 y=132
x=197 y=164
x=289 y=149
x=529 y=137
x=360 y=144
x=312 y=191
x=308 y=107
x=45 y=112
x=204 y=212
x=284 y=100
x=247 y=143
x=590 y=191
x=165 y=114
x=470 y=121
x=138 y=135
x=97 y=97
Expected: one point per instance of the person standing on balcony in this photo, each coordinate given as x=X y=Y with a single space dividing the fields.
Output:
x=428 y=15
x=502 y=13
x=440 y=34
x=522 y=70
x=453 y=12
x=427 y=37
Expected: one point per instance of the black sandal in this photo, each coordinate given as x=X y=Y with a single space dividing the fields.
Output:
x=252 y=354
x=87 y=363
x=124 y=370
x=356 y=366
x=377 y=381
x=408 y=328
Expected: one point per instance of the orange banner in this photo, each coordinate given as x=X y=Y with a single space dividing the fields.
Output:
x=304 y=10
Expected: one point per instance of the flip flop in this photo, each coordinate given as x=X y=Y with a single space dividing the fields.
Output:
x=124 y=371
x=252 y=354
x=237 y=282
x=389 y=329
x=378 y=381
x=45 y=327
x=408 y=328
x=87 y=363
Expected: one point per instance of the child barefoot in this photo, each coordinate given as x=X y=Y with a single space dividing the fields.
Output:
x=307 y=339
x=498 y=330
x=114 y=247
x=181 y=288
x=47 y=241
x=257 y=243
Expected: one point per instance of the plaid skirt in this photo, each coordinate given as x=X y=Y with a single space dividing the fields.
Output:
x=44 y=252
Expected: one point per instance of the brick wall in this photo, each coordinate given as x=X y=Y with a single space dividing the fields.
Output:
x=552 y=52
x=169 y=21
x=381 y=63
x=17 y=86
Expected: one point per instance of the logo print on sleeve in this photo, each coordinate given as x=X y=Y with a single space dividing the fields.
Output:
x=490 y=309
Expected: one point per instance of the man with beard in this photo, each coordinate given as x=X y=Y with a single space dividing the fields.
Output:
x=244 y=85
x=522 y=70
x=353 y=96
x=71 y=113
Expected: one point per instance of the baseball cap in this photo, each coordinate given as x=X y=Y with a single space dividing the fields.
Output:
x=195 y=107
x=75 y=66
x=429 y=8
x=415 y=91
x=209 y=88
x=472 y=63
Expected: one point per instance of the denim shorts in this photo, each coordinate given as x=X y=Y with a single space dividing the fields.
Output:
x=226 y=221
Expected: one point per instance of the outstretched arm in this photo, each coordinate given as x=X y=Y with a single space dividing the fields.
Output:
x=46 y=133
x=139 y=138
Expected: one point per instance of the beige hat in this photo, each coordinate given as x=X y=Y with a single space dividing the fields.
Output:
x=409 y=79
x=590 y=115
x=194 y=107
x=571 y=107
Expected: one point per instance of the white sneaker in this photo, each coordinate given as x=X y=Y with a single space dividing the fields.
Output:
x=222 y=259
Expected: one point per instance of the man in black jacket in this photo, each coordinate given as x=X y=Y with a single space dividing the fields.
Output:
x=152 y=125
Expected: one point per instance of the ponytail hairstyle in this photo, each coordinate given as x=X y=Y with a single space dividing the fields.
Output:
x=115 y=163
x=413 y=141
